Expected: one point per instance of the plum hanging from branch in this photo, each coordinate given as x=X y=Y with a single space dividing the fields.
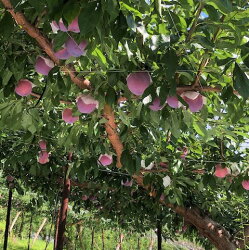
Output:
x=221 y=172
x=105 y=159
x=155 y=106
x=43 y=65
x=138 y=82
x=24 y=87
x=86 y=104
x=43 y=157
x=67 y=116
x=245 y=184
x=73 y=26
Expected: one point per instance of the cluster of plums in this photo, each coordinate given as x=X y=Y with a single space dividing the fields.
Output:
x=137 y=83
x=222 y=172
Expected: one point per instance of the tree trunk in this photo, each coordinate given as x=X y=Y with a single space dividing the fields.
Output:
x=30 y=229
x=151 y=242
x=63 y=213
x=103 y=240
x=119 y=246
x=21 y=226
x=6 y=233
x=92 y=244
x=159 y=235
x=56 y=229
x=79 y=232
x=138 y=242
x=14 y=221
x=39 y=230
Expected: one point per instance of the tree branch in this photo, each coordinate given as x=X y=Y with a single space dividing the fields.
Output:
x=111 y=129
x=43 y=43
x=216 y=234
x=208 y=228
x=205 y=60
x=193 y=27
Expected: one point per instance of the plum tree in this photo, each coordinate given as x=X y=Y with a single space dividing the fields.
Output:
x=192 y=56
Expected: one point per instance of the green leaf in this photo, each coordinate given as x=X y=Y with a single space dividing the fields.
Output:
x=135 y=12
x=187 y=118
x=170 y=61
x=71 y=10
x=38 y=5
x=240 y=81
x=119 y=27
x=100 y=57
x=128 y=162
x=124 y=117
x=110 y=96
x=200 y=129
x=59 y=40
x=112 y=9
x=6 y=76
x=6 y=25
x=225 y=6
x=175 y=125
x=89 y=17
x=204 y=42
x=2 y=61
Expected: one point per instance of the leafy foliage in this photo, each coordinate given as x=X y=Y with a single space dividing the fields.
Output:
x=178 y=46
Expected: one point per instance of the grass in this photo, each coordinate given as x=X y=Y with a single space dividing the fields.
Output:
x=18 y=244
x=111 y=238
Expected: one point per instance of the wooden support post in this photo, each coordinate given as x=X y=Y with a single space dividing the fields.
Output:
x=39 y=230
x=14 y=221
x=159 y=235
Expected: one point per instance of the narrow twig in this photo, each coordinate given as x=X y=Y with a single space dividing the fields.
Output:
x=206 y=58
x=194 y=24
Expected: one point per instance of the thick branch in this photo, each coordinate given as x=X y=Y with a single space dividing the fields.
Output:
x=216 y=234
x=43 y=43
x=111 y=129
x=208 y=228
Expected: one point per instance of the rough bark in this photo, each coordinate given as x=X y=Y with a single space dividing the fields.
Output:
x=63 y=214
x=217 y=235
x=111 y=129
x=56 y=229
x=6 y=233
x=138 y=242
x=44 y=43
